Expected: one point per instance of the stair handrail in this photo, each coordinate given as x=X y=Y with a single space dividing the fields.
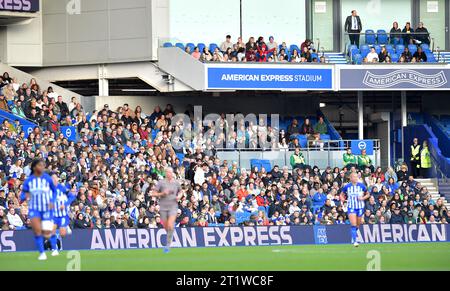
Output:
x=18 y=117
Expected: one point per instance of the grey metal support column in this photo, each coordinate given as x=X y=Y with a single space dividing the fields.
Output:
x=447 y=25
x=240 y=18
x=360 y=115
x=309 y=19
x=404 y=119
x=415 y=13
x=103 y=82
x=337 y=26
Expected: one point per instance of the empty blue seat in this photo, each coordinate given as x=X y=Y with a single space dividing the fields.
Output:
x=394 y=58
x=365 y=49
x=350 y=48
x=412 y=48
x=370 y=36
x=357 y=59
x=167 y=44
x=325 y=137
x=180 y=45
x=430 y=57
x=354 y=51
x=399 y=48
x=382 y=36
x=213 y=46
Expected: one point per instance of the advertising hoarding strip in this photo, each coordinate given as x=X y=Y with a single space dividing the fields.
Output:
x=110 y=239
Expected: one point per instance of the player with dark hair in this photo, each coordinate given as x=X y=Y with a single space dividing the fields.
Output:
x=61 y=212
x=40 y=192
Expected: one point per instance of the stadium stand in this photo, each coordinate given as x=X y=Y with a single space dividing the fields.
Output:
x=118 y=156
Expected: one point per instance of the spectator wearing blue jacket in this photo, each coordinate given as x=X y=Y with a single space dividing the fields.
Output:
x=391 y=185
x=319 y=200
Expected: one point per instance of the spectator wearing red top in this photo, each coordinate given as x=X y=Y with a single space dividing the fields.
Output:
x=242 y=192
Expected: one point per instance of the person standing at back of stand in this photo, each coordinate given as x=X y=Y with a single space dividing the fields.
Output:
x=425 y=160
x=353 y=26
x=415 y=158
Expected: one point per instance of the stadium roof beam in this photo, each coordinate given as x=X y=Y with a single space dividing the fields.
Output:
x=148 y=72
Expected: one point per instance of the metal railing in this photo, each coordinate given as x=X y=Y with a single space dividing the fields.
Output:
x=321 y=154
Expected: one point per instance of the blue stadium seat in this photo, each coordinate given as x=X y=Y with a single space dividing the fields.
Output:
x=390 y=49
x=167 y=44
x=179 y=45
x=191 y=46
x=255 y=163
x=201 y=46
x=396 y=41
x=325 y=137
x=430 y=57
x=365 y=49
x=425 y=47
x=180 y=156
x=382 y=36
x=357 y=59
x=399 y=48
x=266 y=165
x=412 y=48
x=394 y=58
x=370 y=37
x=354 y=51
x=213 y=46
x=294 y=47
x=350 y=48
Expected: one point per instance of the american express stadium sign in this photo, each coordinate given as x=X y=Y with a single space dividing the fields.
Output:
x=294 y=77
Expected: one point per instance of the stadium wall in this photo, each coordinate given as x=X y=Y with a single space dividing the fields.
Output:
x=220 y=102
x=102 y=239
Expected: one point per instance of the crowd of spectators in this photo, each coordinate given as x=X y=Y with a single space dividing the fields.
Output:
x=257 y=50
x=114 y=165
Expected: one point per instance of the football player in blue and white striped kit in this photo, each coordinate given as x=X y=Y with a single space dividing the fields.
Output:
x=61 y=217
x=40 y=192
x=356 y=193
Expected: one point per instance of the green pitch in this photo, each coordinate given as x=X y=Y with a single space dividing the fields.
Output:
x=418 y=256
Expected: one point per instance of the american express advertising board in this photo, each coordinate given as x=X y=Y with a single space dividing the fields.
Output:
x=106 y=239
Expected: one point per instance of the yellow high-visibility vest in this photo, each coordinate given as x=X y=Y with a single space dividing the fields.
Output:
x=415 y=153
x=425 y=158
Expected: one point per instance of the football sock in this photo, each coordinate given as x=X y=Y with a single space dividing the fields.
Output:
x=354 y=233
x=53 y=242
x=39 y=241
x=169 y=238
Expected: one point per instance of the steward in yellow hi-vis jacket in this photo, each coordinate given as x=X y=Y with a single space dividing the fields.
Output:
x=415 y=158
x=425 y=160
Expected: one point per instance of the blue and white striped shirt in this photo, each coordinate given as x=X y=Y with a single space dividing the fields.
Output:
x=42 y=192
x=63 y=198
x=353 y=193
